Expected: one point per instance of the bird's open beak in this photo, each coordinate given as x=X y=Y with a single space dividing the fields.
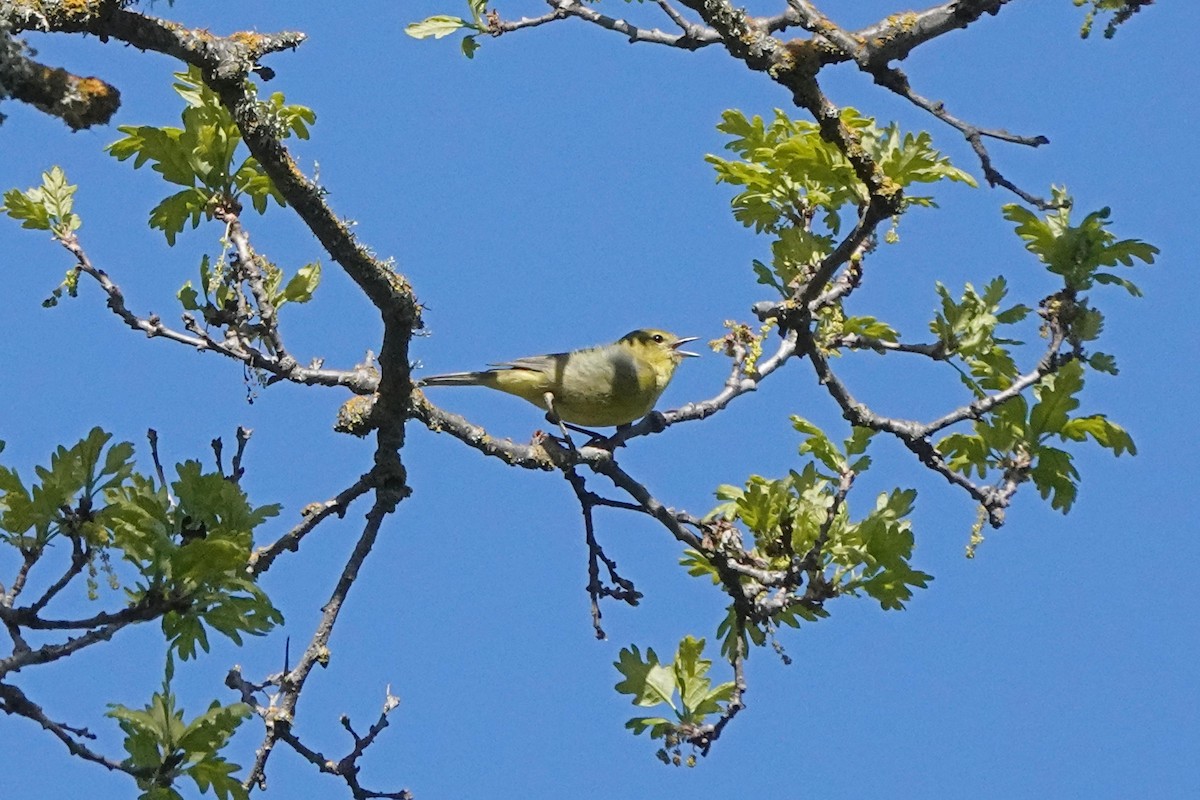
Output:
x=680 y=342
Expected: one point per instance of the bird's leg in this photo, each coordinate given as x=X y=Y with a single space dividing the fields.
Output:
x=553 y=418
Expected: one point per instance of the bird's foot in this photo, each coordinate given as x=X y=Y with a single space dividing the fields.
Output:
x=597 y=439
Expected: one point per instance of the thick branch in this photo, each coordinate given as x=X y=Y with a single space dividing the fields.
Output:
x=80 y=102
x=439 y=421
x=893 y=38
x=99 y=628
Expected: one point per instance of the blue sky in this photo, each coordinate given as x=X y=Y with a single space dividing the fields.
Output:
x=552 y=193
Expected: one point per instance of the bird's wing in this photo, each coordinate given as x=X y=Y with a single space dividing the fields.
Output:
x=547 y=364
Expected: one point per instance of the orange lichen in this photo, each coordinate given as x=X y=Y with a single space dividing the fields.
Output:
x=248 y=39
x=78 y=10
x=904 y=22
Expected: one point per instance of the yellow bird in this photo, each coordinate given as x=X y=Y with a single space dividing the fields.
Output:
x=611 y=384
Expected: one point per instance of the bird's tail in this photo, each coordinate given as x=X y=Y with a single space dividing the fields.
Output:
x=454 y=379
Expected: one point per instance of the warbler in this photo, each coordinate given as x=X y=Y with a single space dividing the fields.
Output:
x=611 y=384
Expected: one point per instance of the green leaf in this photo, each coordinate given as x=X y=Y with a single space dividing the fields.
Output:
x=859 y=440
x=650 y=682
x=1129 y=286
x=821 y=447
x=165 y=148
x=698 y=566
x=1078 y=252
x=870 y=327
x=251 y=180
x=1106 y=433
x=691 y=673
x=1055 y=476
x=478 y=8
x=189 y=298
x=173 y=212
x=658 y=726
x=1103 y=362
x=1056 y=399
x=300 y=287
x=218 y=774
x=210 y=731
x=469 y=45
x=767 y=278
x=436 y=26
x=27 y=208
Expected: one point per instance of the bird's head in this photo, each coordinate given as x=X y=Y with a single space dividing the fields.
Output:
x=657 y=346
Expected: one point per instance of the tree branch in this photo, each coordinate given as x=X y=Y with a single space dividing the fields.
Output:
x=894 y=79
x=693 y=37
x=236 y=349
x=80 y=102
x=99 y=628
x=347 y=767
x=14 y=701
x=313 y=514
x=317 y=652
x=622 y=589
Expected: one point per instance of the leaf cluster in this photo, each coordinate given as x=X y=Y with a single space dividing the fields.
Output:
x=163 y=747
x=966 y=329
x=1016 y=439
x=442 y=25
x=1121 y=10
x=800 y=524
x=47 y=207
x=68 y=499
x=221 y=293
x=1079 y=253
x=203 y=155
x=792 y=178
x=682 y=685
x=188 y=548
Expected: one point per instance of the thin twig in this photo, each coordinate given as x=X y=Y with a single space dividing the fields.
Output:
x=894 y=79
x=200 y=340
x=693 y=37
x=79 y=559
x=855 y=341
x=14 y=701
x=236 y=469
x=347 y=767
x=622 y=589
x=313 y=514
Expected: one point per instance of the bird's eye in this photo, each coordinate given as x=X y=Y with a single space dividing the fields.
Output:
x=658 y=337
